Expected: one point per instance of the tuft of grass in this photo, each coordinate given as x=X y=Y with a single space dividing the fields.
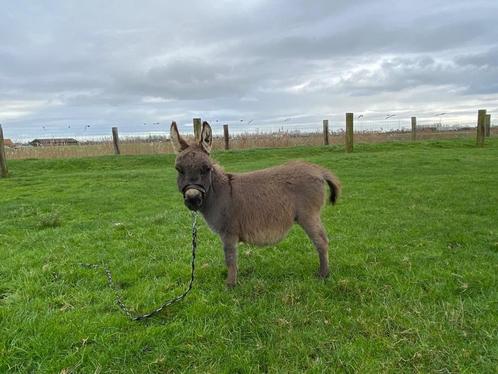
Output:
x=49 y=220
x=413 y=253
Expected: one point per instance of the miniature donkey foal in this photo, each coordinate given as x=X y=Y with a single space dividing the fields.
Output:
x=257 y=207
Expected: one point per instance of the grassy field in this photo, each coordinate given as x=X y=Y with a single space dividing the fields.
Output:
x=413 y=286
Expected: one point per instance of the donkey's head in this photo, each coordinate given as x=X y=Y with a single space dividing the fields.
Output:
x=194 y=166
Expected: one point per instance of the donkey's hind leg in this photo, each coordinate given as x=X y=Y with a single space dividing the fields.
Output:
x=312 y=225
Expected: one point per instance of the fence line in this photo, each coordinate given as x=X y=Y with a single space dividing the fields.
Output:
x=353 y=129
x=487 y=126
x=226 y=137
x=239 y=128
x=326 y=132
x=349 y=132
x=481 y=122
x=4 y=172
x=414 y=128
x=197 y=128
x=115 y=141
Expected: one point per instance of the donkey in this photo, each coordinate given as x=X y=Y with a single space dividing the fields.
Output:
x=258 y=207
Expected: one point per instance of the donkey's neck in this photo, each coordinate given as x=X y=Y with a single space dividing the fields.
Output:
x=219 y=189
x=218 y=199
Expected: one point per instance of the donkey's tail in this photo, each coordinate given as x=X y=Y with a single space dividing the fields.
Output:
x=334 y=184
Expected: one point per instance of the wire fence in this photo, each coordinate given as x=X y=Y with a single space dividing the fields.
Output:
x=153 y=138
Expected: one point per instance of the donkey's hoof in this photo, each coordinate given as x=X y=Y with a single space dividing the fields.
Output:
x=323 y=274
x=230 y=283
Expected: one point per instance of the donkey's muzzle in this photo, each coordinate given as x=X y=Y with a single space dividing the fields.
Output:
x=193 y=197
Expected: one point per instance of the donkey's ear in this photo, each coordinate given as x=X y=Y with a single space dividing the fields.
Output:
x=206 y=137
x=179 y=144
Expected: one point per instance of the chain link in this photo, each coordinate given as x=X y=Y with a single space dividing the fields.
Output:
x=138 y=317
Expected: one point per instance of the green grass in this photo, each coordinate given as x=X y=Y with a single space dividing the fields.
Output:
x=413 y=286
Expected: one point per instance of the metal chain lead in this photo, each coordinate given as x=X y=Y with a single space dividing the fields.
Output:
x=139 y=317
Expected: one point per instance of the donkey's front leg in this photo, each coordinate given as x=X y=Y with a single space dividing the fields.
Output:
x=230 y=249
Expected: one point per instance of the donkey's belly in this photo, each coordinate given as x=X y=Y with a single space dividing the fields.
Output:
x=263 y=238
x=265 y=235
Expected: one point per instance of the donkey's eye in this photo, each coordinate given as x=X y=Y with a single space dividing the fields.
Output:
x=179 y=169
x=205 y=170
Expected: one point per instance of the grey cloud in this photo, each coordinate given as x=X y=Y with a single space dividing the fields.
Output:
x=372 y=39
x=488 y=58
x=470 y=75
x=98 y=61
x=187 y=80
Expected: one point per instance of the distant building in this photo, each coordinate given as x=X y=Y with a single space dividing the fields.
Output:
x=53 y=142
x=9 y=143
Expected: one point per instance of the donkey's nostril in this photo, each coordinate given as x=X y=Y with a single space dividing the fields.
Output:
x=193 y=198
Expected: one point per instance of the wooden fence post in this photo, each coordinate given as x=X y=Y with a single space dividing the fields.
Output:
x=349 y=132
x=115 y=140
x=226 y=137
x=326 y=131
x=197 y=128
x=481 y=118
x=487 y=126
x=414 y=128
x=4 y=172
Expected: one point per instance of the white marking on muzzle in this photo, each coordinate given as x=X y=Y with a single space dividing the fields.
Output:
x=192 y=193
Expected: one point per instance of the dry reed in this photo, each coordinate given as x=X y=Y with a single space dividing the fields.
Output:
x=161 y=145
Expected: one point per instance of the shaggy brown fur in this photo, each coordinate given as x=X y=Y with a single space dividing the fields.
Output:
x=257 y=207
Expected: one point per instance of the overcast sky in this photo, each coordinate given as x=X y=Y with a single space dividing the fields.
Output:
x=100 y=63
